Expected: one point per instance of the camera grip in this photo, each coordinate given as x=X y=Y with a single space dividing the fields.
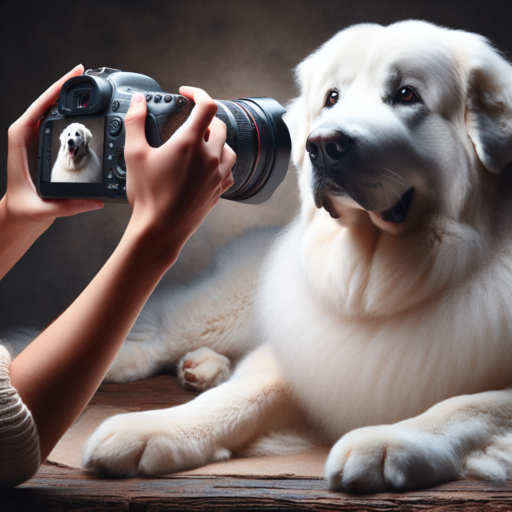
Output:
x=168 y=124
x=160 y=128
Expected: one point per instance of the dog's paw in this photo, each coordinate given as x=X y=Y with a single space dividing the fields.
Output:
x=146 y=444
x=203 y=369
x=389 y=458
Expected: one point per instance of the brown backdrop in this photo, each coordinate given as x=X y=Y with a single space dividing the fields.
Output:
x=231 y=48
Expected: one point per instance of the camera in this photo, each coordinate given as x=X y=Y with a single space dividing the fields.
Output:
x=82 y=137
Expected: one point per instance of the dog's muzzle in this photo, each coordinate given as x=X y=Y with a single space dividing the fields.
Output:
x=73 y=151
x=335 y=174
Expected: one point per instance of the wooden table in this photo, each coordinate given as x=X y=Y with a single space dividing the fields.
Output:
x=58 y=489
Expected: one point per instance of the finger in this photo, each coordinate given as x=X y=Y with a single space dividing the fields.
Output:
x=135 y=126
x=227 y=182
x=217 y=136
x=227 y=162
x=37 y=110
x=203 y=112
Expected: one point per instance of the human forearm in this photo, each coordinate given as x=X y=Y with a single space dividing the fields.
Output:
x=59 y=372
x=171 y=189
x=16 y=236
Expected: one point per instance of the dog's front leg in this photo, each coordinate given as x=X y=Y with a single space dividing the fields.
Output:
x=465 y=435
x=204 y=430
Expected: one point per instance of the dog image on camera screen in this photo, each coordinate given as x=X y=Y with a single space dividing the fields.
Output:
x=76 y=162
x=380 y=321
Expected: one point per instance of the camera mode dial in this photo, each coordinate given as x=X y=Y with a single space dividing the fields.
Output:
x=119 y=164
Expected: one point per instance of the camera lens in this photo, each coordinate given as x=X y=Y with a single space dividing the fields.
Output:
x=261 y=141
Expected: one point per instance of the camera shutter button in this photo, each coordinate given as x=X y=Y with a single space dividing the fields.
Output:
x=115 y=126
x=119 y=164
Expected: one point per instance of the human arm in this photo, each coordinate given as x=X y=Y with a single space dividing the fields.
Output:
x=171 y=189
x=24 y=216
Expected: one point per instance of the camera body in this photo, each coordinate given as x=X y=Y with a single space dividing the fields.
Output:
x=82 y=138
x=99 y=100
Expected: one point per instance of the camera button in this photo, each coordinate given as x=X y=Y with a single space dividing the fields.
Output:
x=115 y=105
x=55 y=111
x=115 y=126
x=148 y=97
x=119 y=164
x=158 y=98
x=182 y=101
x=168 y=98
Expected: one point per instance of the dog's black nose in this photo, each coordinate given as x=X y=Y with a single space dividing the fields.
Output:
x=71 y=143
x=327 y=147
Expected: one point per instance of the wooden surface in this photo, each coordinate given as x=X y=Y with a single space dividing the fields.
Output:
x=58 y=489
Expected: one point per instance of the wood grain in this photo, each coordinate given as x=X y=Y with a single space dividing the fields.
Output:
x=63 y=489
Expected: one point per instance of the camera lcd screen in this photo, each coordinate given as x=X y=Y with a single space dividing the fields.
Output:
x=77 y=150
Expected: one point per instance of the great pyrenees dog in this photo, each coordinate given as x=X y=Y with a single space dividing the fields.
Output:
x=380 y=321
x=76 y=161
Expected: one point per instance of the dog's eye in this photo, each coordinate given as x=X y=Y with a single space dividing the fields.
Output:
x=77 y=134
x=406 y=95
x=332 y=98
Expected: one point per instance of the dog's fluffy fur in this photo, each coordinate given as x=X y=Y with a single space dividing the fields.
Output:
x=76 y=161
x=391 y=341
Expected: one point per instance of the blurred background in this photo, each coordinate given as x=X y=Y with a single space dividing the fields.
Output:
x=231 y=48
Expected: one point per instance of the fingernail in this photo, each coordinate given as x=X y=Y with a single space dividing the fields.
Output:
x=92 y=205
x=137 y=98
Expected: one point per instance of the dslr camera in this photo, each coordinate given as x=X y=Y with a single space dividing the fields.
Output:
x=82 y=137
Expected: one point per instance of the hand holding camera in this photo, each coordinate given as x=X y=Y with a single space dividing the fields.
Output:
x=23 y=214
x=172 y=188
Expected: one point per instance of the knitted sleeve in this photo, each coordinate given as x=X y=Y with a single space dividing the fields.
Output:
x=19 y=442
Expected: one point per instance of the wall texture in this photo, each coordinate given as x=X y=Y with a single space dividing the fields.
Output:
x=231 y=48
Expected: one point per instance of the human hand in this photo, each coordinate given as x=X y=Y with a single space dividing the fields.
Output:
x=21 y=204
x=172 y=188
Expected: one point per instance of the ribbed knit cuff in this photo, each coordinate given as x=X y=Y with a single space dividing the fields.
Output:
x=19 y=442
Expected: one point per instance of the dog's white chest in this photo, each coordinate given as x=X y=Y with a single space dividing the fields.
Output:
x=351 y=373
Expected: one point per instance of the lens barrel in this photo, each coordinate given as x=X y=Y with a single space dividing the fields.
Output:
x=258 y=135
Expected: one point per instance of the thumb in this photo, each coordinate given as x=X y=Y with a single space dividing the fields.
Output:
x=134 y=123
x=69 y=207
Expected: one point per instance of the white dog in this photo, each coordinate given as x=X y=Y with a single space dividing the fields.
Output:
x=76 y=161
x=384 y=312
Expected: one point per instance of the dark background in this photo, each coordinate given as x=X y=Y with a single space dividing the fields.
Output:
x=230 y=48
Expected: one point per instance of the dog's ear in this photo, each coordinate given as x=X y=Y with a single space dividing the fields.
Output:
x=489 y=106
x=87 y=135
x=63 y=137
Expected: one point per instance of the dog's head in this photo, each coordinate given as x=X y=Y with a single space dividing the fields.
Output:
x=398 y=120
x=74 y=141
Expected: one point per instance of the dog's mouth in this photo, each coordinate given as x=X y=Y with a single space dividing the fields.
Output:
x=398 y=213
x=325 y=192
x=73 y=153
